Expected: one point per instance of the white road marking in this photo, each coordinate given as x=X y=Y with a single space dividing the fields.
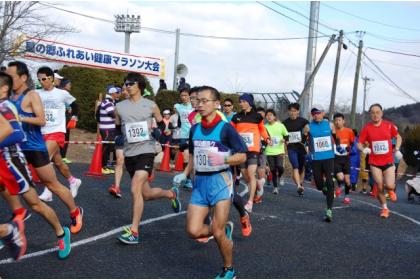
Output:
x=309 y=211
x=91 y=239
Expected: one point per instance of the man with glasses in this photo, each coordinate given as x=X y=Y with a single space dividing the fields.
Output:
x=376 y=141
x=213 y=146
x=133 y=120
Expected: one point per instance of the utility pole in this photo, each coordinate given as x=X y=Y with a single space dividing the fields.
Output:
x=177 y=35
x=355 y=86
x=337 y=64
x=127 y=25
x=311 y=55
x=305 y=91
x=366 y=80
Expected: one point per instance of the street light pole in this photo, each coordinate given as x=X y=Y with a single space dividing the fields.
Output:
x=128 y=25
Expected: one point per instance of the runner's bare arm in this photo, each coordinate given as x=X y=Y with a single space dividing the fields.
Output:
x=398 y=143
x=117 y=117
x=37 y=109
x=236 y=159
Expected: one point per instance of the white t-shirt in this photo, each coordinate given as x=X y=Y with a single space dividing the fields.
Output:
x=55 y=102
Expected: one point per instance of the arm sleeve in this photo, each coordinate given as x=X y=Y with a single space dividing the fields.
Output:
x=363 y=136
x=74 y=109
x=394 y=130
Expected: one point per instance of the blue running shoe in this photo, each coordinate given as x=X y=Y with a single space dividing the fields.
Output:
x=64 y=245
x=188 y=184
x=328 y=216
x=127 y=237
x=16 y=240
x=229 y=230
x=176 y=203
x=227 y=273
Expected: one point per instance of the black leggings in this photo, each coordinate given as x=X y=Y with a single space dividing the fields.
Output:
x=276 y=167
x=325 y=168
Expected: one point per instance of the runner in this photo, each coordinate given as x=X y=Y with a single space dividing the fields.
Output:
x=378 y=134
x=213 y=146
x=29 y=107
x=228 y=109
x=275 y=152
x=14 y=171
x=262 y=168
x=296 y=126
x=133 y=119
x=345 y=138
x=55 y=101
x=321 y=133
x=183 y=110
x=250 y=125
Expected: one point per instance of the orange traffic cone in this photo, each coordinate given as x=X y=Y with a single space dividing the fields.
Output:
x=71 y=124
x=35 y=177
x=95 y=168
x=179 y=163
x=164 y=165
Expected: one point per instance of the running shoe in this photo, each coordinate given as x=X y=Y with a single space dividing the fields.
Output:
x=188 y=184
x=387 y=196
x=227 y=274
x=229 y=230
x=281 y=182
x=205 y=239
x=64 y=245
x=74 y=187
x=127 y=237
x=115 y=191
x=258 y=199
x=246 y=225
x=384 y=213
x=16 y=240
x=248 y=207
x=300 y=190
x=176 y=203
x=67 y=161
x=21 y=217
x=392 y=196
x=346 y=200
x=77 y=222
x=337 y=192
x=107 y=171
x=328 y=215
x=46 y=195
x=276 y=191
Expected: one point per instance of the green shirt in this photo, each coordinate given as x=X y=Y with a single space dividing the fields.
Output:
x=277 y=131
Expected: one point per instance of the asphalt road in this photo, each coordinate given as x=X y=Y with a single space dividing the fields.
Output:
x=289 y=239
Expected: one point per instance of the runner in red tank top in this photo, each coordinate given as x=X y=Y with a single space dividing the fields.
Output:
x=375 y=140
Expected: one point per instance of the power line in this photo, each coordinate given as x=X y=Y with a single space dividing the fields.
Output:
x=370 y=20
x=395 y=52
x=392 y=39
x=186 y=34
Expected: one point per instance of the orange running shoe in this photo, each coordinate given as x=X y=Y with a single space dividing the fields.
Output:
x=21 y=217
x=258 y=199
x=77 y=222
x=392 y=196
x=246 y=225
x=205 y=239
x=385 y=213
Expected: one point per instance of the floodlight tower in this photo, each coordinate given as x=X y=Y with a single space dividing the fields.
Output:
x=128 y=25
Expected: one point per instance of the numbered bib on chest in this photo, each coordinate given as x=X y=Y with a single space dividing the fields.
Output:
x=322 y=144
x=137 y=132
x=201 y=159
x=51 y=116
x=248 y=138
x=276 y=140
x=295 y=137
x=380 y=147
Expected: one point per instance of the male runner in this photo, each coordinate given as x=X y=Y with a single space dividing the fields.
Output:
x=213 y=146
x=378 y=134
x=133 y=118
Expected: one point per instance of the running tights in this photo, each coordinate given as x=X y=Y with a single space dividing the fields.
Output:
x=321 y=169
x=276 y=167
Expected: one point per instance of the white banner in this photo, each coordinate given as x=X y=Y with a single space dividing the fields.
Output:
x=41 y=49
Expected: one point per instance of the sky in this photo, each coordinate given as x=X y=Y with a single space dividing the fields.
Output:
x=264 y=66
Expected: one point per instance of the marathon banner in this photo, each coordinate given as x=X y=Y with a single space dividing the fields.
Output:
x=40 y=49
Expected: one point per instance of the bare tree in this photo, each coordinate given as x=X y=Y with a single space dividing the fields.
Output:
x=18 y=18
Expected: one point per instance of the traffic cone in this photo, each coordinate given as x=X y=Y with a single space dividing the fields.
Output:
x=35 y=177
x=164 y=165
x=71 y=124
x=179 y=163
x=95 y=168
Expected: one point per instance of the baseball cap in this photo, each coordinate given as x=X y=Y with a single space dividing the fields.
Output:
x=166 y=112
x=57 y=76
x=317 y=109
x=112 y=90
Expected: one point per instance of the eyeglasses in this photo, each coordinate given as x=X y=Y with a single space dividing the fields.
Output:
x=43 y=79
x=129 y=83
x=315 y=113
x=227 y=105
x=203 y=101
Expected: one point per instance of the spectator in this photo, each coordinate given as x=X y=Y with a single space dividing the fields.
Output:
x=162 y=85
x=166 y=133
x=66 y=85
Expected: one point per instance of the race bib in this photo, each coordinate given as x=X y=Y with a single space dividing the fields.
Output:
x=276 y=140
x=248 y=138
x=322 y=144
x=51 y=116
x=201 y=159
x=137 y=132
x=295 y=137
x=380 y=147
x=184 y=117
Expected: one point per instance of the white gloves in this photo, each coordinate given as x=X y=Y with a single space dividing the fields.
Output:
x=179 y=179
x=398 y=155
x=367 y=151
